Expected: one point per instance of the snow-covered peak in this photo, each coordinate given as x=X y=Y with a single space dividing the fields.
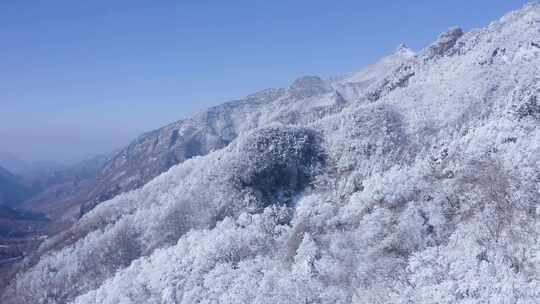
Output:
x=529 y=13
x=372 y=79
x=308 y=86
x=404 y=51
x=444 y=43
x=380 y=69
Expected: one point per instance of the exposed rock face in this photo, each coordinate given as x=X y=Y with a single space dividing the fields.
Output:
x=444 y=43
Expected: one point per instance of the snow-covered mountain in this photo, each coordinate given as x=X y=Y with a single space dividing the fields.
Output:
x=415 y=180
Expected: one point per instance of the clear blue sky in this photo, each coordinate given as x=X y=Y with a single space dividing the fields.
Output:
x=84 y=77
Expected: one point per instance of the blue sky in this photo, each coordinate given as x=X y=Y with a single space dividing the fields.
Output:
x=79 y=78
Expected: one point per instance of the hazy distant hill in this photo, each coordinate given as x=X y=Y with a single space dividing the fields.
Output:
x=13 y=190
x=24 y=168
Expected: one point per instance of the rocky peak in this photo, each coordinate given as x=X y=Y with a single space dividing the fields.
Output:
x=404 y=51
x=307 y=86
x=444 y=43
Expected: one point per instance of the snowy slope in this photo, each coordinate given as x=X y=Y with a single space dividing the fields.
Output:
x=416 y=180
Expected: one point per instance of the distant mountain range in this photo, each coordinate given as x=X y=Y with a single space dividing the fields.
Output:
x=13 y=189
x=24 y=168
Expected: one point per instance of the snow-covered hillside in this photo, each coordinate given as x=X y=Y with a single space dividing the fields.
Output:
x=416 y=180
